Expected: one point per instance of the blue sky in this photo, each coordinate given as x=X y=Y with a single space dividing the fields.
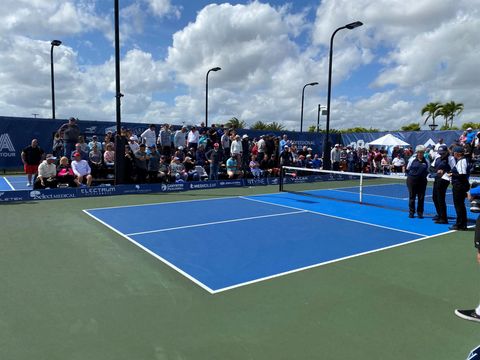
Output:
x=408 y=53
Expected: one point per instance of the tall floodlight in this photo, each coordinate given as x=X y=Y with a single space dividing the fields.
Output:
x=52 y=76
x=206 y=93
x=303 y=99
x=326 y=145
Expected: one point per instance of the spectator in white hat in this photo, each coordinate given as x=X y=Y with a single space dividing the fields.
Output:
x=47 y=172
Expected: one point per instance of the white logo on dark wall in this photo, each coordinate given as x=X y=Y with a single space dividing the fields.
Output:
x=6 y=146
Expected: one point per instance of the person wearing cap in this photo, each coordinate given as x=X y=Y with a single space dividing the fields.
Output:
x=70 y=133
x=335 y=157
x=133 y=143
x=94 y=142
x=442 y=164
x=47 y=172
x=398 y=163
x=417 y=172
x=460 y=186
x=82 y=170
x=470 y=136
x=286 y=157
x=177 y=170
x=78 y=148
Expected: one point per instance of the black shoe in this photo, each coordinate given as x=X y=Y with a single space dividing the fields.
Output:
x=420 y=215
x=435 y=218
x=441 y=221
x=457 y=227
x=468 y=315
x=411 y=215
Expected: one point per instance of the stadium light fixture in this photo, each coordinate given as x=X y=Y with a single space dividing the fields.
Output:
x=303 y=98
x=52 y=76
x=206 y=93
x=326 y=145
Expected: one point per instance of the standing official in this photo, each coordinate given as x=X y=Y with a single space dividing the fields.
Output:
x=460 y=187
x=442 y=165
x=473 y=314
x=417 y=172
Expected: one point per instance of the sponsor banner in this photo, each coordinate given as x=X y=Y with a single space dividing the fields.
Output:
x=107 y=190
x=255 y=182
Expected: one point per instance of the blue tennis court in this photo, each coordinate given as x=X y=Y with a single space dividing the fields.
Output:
x=225 y=243
x=14 y=182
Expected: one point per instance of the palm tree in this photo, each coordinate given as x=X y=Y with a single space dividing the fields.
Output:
x=432 y=110
x=235 y=123
x=449 y=111
x=259 y=125
x=274 y=126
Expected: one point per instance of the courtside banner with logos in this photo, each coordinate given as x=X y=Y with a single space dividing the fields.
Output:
x=17 y=133
x=414 y=138
x=70 y=193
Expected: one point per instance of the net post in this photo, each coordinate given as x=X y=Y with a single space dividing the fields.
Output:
x=280 y=180
x=360 y=192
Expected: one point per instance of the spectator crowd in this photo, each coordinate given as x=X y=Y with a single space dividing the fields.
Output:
x=163 y=154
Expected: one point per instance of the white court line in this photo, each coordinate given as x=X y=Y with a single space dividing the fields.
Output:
x=217 y=222
x=211 y=291
x=8 y=183
x=165 y=202
x=337 y=217
x=326 y=263
x=166 y=262
x=366 y=194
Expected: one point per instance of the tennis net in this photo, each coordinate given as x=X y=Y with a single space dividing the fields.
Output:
x=387 y=191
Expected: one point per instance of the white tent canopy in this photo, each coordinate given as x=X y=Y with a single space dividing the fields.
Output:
x=388 y=140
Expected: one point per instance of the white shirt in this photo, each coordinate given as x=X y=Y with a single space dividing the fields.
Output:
x=462 y=166
x=451 y=162
x=398 y=162
x=149 y=136
x=134 y=146
x=225 y=140
x=262 y=146
x=236 y=147
x=81 y=168
x=179 y=139
x=47 y=170
x=193 y=137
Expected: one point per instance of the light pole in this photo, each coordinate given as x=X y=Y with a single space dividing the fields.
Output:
x=303 y=98
x=53 y=43
x=206 y=93
x=326 y=146
x=318 y=117
x=120 y=141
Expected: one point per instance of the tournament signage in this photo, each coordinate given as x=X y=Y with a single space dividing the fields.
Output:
x=17 y=133
x=69 y=193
